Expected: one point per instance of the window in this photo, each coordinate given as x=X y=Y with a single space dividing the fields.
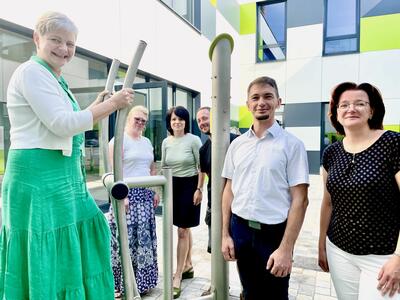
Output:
x=342 y=26
x=271 y=31
x=187 y=9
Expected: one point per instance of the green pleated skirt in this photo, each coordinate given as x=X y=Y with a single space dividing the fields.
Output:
x=55 y=242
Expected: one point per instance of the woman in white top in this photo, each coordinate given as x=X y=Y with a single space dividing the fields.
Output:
x=138 y=160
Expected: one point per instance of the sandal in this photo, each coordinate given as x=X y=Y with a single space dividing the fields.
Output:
x=188 y=274
x=118 y=295
x=177 y=292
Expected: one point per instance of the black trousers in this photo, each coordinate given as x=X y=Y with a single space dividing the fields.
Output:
x=252 y=250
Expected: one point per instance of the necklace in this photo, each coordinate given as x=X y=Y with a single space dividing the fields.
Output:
x=354 y=159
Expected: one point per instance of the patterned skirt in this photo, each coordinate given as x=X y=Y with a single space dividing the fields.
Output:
x=142 y=239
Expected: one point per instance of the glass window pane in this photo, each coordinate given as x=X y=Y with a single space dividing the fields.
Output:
x=341 y=17
x=181 y=98
x=154 y=129
x=186 y=9
x=155 y=99
x=170 y=97
x=271 y=39
x=338 y=46
x=14 y=50
x=274 y=16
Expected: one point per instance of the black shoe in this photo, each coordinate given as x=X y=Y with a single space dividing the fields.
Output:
x=188 y=274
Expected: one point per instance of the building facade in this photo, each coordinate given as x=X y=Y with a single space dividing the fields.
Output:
x=308 y=46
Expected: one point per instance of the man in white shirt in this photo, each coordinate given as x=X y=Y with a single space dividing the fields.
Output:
x=265 y=197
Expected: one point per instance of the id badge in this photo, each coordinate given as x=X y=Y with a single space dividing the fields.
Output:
x=255 y=225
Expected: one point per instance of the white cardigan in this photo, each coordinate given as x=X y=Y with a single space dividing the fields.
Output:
x=40 y=111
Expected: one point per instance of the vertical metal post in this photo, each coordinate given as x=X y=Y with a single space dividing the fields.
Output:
x=130 y=285
x=220 y=55
x=167 y=234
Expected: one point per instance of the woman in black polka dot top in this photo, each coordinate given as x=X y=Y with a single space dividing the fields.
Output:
x=360 y=212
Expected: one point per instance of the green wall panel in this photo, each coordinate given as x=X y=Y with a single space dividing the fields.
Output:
x=248 y=13
x=245 y=117
x=395 y=128
x=380 y=33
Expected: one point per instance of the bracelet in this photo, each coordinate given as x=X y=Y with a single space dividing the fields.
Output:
x=199 y=189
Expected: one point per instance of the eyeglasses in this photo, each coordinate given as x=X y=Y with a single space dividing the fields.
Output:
x=359 y=105
x=140 y=120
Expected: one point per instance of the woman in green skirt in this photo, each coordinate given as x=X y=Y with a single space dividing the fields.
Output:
x=55 y=242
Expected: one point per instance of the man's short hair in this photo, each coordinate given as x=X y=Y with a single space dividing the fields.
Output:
x=204 y=107
x=264 y=80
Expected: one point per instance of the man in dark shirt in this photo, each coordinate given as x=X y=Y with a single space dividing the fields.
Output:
x=203 y=121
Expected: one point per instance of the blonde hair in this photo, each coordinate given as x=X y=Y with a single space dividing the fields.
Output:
x=51 y=21
x=137 y=108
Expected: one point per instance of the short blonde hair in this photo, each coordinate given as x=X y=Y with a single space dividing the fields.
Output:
x=137 y=108
x=51 y=21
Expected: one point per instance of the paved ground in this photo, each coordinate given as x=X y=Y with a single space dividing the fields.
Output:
x=307 y=282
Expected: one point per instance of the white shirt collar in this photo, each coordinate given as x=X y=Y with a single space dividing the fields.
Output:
x=275 y=130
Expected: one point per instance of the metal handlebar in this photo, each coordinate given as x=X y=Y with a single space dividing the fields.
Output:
x=112 y=74
x=131 y=291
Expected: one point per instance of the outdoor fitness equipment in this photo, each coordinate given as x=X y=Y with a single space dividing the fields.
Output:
x=118 y=188
x=220 y=56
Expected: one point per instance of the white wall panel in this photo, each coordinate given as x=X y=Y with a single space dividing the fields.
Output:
x=246 y=76
x=304 y=80
x=381 y=68
x=304 y=41
x=337 y=69
x=276 y=70
x=246 y=45
x=223 y=26
x=392 y=109
x=310 y=136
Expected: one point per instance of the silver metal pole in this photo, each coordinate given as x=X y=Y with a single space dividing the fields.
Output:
x=220 y=55
x=131 y=291
x=167 y=235
x=112 y=74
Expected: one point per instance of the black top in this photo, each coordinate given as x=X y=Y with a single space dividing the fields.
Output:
x=365 y=196
x=205 y=163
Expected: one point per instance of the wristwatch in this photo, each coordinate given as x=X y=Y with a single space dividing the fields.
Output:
x=200 y=189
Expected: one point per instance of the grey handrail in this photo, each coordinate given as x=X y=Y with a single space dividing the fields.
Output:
x=112 y=74
x=120 y=188
x=131 y=291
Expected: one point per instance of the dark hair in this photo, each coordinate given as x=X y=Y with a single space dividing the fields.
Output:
x=180 y=112
x=264 y=80
x=375 y=102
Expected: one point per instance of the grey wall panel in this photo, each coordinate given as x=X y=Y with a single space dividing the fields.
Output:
x=314 y=161
x=208 y=20
x=301 y=12
x=370 y=8
x=230 y=9
x=302 y=114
